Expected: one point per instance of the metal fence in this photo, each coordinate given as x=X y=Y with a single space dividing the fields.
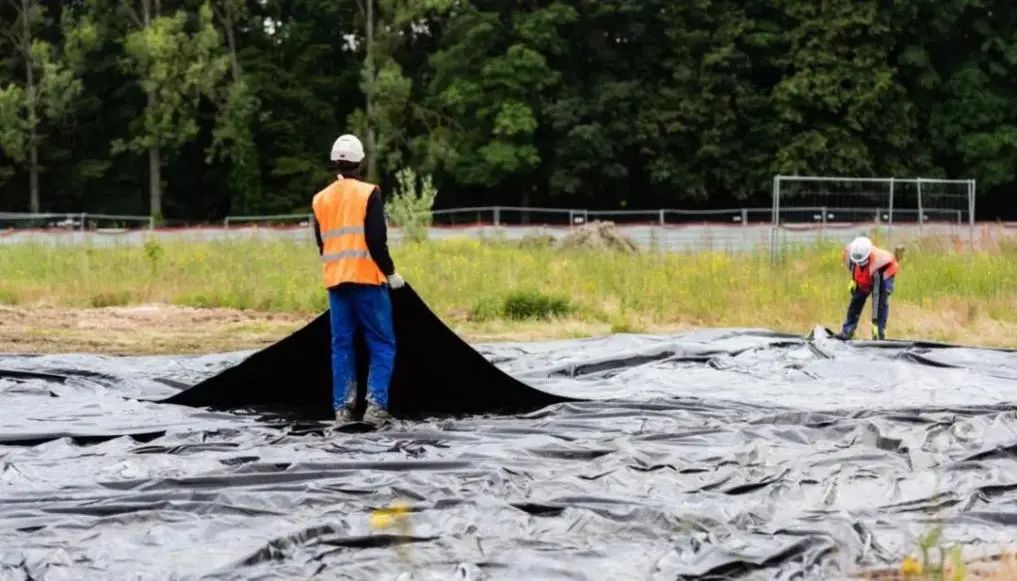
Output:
x=74 y=221
x=731 y=230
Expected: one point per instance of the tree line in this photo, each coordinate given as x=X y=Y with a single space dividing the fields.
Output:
x=195 y=109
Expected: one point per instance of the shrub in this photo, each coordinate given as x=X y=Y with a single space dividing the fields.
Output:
x=9 y=297
x=623 y=324
x=116 y=298
x=530 y=304
x=153 y=252
x=410 y=206
x=485 y=309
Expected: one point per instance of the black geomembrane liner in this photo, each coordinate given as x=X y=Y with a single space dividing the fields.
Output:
x=435 y=372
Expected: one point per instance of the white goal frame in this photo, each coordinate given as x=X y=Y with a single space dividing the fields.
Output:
x=890 y=182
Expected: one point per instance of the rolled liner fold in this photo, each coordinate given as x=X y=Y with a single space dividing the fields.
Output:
x=436 y=373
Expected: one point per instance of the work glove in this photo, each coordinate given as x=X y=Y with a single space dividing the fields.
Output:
x=878 y=334
x=852 y=287
x=395 y=281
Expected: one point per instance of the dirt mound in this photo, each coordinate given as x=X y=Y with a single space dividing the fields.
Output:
x=598 y=236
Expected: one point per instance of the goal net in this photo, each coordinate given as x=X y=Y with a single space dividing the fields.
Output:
x=815 y=209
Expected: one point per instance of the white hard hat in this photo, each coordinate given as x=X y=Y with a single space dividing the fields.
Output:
x=347 y=148
x=859 y=250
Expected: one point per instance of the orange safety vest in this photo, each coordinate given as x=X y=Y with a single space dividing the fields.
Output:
x=340 y=210
x=879 y=260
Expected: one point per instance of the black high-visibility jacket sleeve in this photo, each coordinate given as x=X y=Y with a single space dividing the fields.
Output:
x=317 y=235
x=376 y=233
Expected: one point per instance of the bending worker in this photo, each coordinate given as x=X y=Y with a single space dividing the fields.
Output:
x=349 y=225
x=871 y=269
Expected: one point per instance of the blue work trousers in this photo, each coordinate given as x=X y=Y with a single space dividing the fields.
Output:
x=858 y=298
x=366 y=308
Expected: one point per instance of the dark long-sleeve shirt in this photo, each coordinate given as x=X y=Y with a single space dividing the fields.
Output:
x=375 y=231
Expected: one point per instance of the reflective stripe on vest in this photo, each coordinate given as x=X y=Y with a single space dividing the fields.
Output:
x=334 y=256
x=340 y=210
x=342 y=232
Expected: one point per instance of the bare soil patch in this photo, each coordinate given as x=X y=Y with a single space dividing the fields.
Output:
x=140 y=330
x=159 y=329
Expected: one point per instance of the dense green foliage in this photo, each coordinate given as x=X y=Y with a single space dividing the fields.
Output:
x=232 y=104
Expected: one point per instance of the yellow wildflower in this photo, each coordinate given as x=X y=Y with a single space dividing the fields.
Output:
x=911 y=566
x=389 y=517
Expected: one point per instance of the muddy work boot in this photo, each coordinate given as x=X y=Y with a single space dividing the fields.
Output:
x=343 y=416
x=376 y=415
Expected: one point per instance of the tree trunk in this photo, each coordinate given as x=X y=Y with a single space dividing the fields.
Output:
x=33 y=119
x=372 y=152
x=154 y=182
x=231 y=40
x=154 y=159
x=33 y=176
x=234 y=63
x=230 y=13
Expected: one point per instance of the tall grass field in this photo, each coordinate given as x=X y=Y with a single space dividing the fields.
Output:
x=941 y=294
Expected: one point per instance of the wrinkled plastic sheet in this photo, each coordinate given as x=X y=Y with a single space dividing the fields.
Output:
x=734 y=453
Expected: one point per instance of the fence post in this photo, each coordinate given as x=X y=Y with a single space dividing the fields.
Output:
x=745 y=228
x=822 y=225
x=151 y=222
x=971 y=214
x=83 y=217
x=889 y=221
x=921 y=212
x=497 y=216
x=661 y=223
x=775 y=221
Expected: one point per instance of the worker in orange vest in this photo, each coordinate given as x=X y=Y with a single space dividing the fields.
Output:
x=871 y=269
x=349 y=226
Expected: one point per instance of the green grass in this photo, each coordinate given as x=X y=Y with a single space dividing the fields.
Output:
x=940 y=294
